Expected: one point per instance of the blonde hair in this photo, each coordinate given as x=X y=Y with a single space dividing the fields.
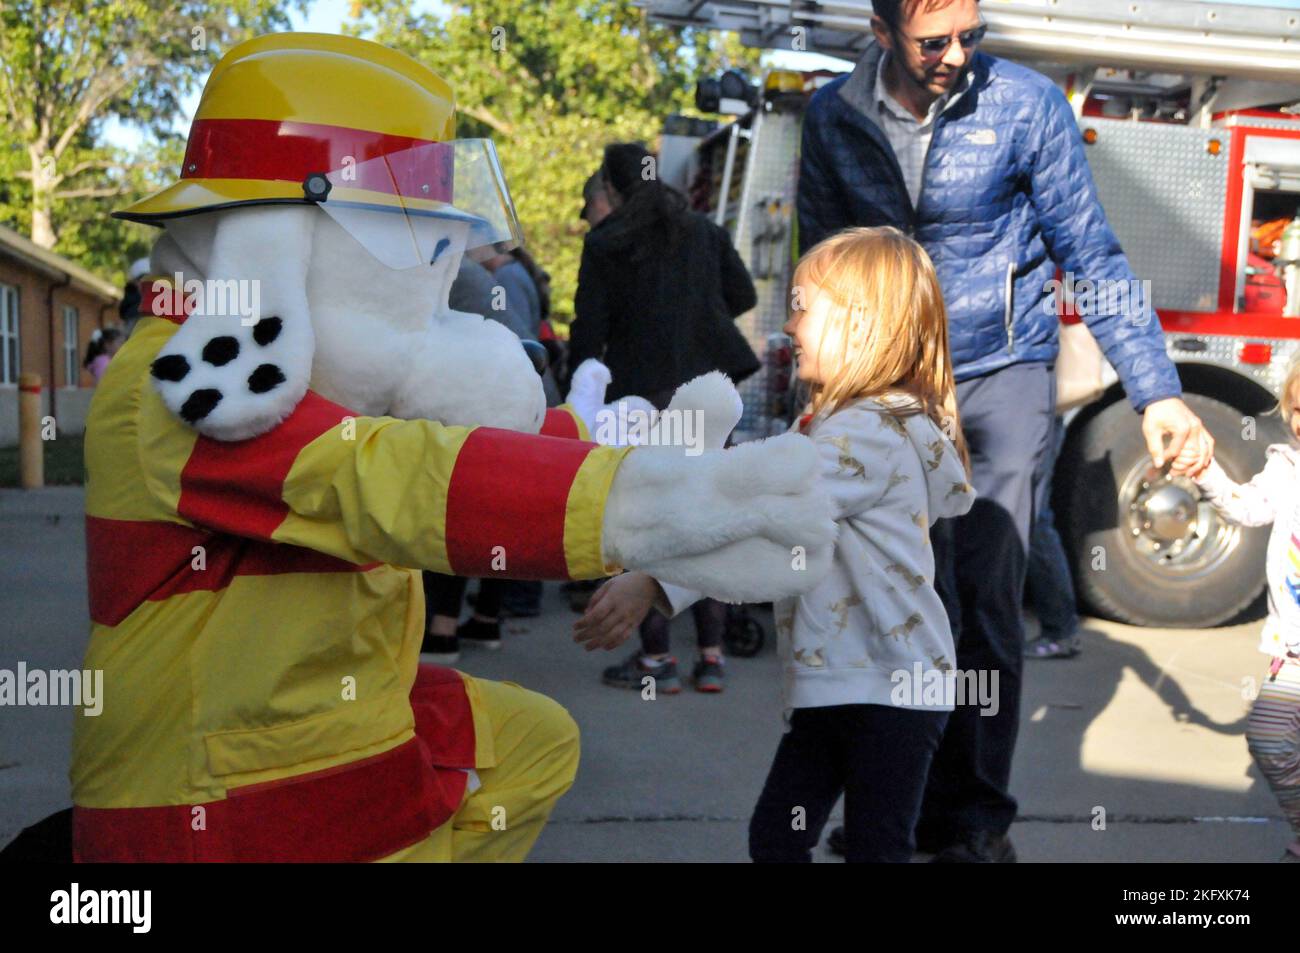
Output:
x=1285 y=405
x=886 y=330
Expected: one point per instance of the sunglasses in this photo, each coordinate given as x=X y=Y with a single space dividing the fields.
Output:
x=933 y=47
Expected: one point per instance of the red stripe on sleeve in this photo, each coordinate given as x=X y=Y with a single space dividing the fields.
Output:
x=238 y=487
x=507 y=502
x=127 y=561
x=130 y=562
x=560 y=423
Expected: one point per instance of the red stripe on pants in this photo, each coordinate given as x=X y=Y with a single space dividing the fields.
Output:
x=356 y=812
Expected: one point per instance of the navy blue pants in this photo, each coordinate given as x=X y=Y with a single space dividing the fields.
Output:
x=876 y=755
x=980 y=558
x=1048 y=586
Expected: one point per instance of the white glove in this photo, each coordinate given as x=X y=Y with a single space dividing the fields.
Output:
x=747 y=524
x=587 y=391
x=626 y=422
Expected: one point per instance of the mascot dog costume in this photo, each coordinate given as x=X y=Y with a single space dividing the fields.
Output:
x=264 y=483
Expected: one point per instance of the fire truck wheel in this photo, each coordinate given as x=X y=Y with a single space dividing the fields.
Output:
x=1146 y=549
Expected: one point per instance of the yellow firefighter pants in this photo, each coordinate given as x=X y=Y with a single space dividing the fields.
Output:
x=536 y=759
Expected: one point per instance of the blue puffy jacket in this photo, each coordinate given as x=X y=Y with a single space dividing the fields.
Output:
x=1006 y=196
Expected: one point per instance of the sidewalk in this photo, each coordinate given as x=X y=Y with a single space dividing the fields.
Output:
x=1147 y=724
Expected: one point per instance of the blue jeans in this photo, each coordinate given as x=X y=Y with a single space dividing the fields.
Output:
x=1048 y=586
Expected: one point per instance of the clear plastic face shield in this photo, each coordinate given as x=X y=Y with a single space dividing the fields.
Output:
x=413 y=206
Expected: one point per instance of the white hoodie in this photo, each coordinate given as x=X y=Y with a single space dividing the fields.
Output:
x=876 y=613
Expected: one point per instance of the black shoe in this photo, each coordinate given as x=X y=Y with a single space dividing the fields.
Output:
x=440 y=649
x=835 y=843
x=486 y=634
x=633 y=670
x=981 y=847
x=928 y=843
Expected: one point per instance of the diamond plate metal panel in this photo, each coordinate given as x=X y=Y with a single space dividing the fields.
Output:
x=1164 y=196
x=1224 y=351
x=1261 y=122
x=771 y=171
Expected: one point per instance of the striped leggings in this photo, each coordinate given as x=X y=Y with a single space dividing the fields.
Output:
x=1273 y=733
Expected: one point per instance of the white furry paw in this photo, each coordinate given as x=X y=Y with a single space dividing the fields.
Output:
x=230 y=380
x=665 y=507
x=589 y=383
x=750 y=570
x=714 y=402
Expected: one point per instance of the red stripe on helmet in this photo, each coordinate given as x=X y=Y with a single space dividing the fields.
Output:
x=272 y=149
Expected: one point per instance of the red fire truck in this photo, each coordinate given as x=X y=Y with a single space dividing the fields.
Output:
x=1190 y=113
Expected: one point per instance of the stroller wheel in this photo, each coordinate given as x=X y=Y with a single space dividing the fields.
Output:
x=744 y=635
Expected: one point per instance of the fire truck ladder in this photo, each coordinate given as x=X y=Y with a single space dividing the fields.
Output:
x=1249 y=42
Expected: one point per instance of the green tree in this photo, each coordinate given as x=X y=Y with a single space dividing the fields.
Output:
x=552 y=83
x=66 y=69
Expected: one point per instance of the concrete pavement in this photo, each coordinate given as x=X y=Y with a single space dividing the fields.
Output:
x=1147 y=724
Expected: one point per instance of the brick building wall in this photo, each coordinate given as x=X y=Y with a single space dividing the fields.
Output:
x=45 y=332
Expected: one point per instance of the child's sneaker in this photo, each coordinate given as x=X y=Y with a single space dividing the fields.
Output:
x=440 y=649
x=631 y=672
x=708 y=675
x=486 y=634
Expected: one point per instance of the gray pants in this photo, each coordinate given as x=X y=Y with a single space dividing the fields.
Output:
x=980 y=563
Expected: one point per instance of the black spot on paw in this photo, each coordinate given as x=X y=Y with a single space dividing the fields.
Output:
x=266 y=377
x=267 y=330
x=220 y=351
x=199 y=404
x=170 y=367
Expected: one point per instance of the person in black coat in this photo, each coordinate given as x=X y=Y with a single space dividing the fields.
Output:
x=659 y=288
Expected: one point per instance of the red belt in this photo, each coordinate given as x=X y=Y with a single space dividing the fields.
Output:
x=356 y=812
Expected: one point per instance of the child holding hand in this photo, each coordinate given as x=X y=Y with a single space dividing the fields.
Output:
x=1272 y=496
x=870 y=330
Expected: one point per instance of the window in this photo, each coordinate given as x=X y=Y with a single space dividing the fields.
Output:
x=8 y=334
x=71 y=346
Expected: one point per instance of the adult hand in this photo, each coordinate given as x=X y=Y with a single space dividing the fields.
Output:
x=1190 y=445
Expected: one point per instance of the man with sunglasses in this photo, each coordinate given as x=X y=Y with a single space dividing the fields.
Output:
x=981 y=161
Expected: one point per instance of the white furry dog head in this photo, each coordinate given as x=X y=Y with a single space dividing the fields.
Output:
x=288 y=299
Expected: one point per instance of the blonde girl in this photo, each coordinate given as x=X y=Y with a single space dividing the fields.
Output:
x=867 y=655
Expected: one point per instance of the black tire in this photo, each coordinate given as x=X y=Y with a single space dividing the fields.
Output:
x=744 y=635
x=1199 y=580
